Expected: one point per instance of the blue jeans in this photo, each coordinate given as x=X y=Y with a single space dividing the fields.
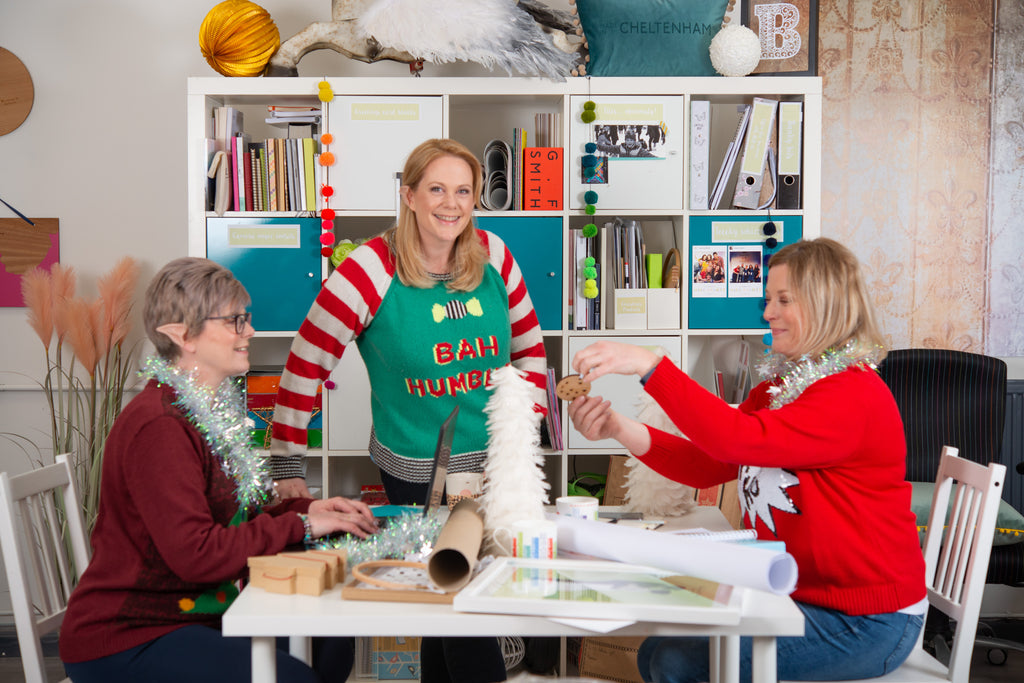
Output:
x=834 y=647
x=200 y=654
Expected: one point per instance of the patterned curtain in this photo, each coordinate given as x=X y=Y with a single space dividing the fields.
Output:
x=922 y=169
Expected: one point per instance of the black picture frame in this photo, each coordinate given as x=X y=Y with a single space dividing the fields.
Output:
x=807 y=26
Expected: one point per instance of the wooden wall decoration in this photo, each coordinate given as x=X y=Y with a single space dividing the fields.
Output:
x=788 y=33
x=22 y=248
x=16 y=92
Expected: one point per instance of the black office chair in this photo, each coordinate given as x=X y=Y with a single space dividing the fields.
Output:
x=957 y=399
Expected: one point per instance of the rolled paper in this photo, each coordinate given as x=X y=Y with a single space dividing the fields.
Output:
x=731 y=563
x=451 y=564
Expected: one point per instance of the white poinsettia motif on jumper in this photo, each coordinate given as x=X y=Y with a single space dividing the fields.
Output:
x=764 y=488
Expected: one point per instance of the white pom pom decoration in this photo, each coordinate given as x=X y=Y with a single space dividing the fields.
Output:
x=735 y=51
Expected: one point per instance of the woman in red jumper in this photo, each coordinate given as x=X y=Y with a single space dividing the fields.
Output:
x=185 y=504
x=820 y=456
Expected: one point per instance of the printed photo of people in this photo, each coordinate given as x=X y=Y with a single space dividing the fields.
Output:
x=708 y=271
x=745 y=278
x=633 y=140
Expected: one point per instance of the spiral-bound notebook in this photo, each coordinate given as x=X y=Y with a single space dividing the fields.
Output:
x=734 y=535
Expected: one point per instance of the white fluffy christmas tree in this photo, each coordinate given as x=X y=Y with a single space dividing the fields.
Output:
x=646 y=490
x=514 y=486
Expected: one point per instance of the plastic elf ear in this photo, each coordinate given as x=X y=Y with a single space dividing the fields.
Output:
x=175 y=332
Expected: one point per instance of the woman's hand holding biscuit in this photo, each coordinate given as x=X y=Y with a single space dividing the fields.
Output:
x=608 y=358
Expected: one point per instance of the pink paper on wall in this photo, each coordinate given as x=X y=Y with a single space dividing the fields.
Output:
x=22 y=248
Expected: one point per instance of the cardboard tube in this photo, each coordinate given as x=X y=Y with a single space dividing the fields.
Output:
x=451 y=564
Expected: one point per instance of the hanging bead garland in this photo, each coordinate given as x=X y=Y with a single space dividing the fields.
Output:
x=327 y=214
x=589 y=163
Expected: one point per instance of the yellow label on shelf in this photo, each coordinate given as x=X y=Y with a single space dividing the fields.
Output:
x=629 y=111
x=257 y=236
x=743 y=231
x=385 y=111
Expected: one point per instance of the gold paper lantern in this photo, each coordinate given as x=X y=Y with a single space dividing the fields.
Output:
x=238 y=38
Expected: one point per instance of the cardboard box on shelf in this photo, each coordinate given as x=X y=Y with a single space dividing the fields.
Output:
x=610 y=658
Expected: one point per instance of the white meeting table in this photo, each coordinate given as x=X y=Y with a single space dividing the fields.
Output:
x=263 y=616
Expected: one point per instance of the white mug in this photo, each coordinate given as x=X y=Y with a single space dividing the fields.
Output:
x=535 y=539
x=581 y=507
x=464 y=483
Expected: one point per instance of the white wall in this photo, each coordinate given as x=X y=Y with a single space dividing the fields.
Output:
x=103 y=148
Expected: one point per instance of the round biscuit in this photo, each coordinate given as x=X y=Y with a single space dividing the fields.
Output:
x=571 y=386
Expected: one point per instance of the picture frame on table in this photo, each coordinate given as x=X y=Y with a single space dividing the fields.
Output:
x=595 y=589
x=789 y=37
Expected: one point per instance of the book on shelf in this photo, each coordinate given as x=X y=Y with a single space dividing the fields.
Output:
x=542 y=179
x=553 y=418
x=725 y=172
x=518 y=147
x=238 y=147
x=247 y=178
x=282 y=174
x=309 y=157
x=547 y=129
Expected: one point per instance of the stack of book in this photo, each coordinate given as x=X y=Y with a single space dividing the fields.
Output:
x=275 y=174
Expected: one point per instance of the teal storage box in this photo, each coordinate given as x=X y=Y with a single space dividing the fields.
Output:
x=536 y=244
x=277 y=259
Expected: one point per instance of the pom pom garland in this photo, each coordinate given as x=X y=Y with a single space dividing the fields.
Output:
x=589 y=230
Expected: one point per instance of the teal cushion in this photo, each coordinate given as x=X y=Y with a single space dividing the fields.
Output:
x=1009 y=522
x=650 y=37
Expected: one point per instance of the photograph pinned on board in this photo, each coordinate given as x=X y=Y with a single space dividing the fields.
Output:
x=708 y=268
x=599 y=176
x=631 y=140
x=745 y=273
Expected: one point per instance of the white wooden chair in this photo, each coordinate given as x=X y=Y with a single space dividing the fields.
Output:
x=40 y=573
x=955 y=563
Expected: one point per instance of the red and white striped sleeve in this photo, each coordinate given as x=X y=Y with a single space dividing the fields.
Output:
x=527 y=341
x=345 y=305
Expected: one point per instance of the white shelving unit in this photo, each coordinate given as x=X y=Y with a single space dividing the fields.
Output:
x=474 y=111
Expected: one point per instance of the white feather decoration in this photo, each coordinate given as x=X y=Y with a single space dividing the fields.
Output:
x=489 y=32
x=514 y=486
x=646 y=490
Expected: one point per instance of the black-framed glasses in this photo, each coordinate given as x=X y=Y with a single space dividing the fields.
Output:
x=240 y=320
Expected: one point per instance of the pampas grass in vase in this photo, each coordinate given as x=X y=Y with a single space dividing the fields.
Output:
x=646 y=490
x=514 y=486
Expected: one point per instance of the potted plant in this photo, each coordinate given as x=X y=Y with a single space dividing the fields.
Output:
x=87 y=364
